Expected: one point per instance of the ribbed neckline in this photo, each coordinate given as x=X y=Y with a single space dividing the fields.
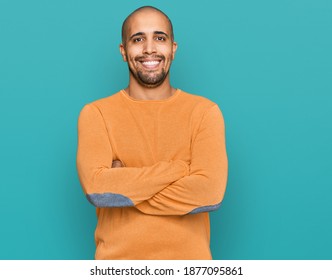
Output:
x=175 y=95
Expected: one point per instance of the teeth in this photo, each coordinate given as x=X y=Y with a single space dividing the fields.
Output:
x=150 y=62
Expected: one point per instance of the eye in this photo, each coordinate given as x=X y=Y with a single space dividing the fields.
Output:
x=137 y=40
x=160 y=38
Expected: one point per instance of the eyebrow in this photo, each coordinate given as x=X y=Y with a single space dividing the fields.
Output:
x=155 y=32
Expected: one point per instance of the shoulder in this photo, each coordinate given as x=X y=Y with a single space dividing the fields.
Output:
x=103 y=104
x=204 y=112
x=196 y=103
x=196 y=98
x=201 y=108
x=106 y=102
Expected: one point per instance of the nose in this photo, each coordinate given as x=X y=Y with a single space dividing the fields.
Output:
x=149 y=46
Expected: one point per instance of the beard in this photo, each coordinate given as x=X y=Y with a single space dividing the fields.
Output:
x=149 y=78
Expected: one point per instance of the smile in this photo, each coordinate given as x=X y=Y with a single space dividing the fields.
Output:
x=151 y=64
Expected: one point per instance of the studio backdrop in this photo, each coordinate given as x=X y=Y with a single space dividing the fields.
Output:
x=267 y=64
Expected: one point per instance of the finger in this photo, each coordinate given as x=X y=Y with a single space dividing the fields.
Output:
x=116 y=164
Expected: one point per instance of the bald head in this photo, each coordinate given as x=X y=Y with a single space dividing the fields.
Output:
x=140 y=10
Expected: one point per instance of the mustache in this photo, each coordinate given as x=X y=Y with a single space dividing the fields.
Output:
x=143 y=57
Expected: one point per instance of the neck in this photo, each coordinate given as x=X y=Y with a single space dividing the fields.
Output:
x=137 y=91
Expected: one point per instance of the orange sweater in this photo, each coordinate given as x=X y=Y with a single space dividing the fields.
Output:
x=173 y=150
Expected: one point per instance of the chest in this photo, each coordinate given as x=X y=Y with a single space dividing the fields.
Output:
x=143 y=137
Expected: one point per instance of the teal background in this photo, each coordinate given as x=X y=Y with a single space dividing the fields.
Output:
x=268 y=64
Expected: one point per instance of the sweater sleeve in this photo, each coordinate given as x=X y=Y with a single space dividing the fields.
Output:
x=105 y=186
x=203 y=189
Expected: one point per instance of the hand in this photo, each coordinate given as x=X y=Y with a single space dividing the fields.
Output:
x=117 y=163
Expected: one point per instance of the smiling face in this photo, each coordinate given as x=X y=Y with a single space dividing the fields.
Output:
x=148 y=47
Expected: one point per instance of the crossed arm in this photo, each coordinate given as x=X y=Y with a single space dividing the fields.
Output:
x=165 y=188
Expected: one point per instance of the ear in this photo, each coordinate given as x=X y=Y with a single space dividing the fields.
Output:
x=174 y=48
x=123 y=52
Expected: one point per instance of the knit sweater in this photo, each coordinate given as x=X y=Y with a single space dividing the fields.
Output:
x=175 y=172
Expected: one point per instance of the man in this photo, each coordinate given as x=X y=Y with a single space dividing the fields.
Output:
x=152 y=158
